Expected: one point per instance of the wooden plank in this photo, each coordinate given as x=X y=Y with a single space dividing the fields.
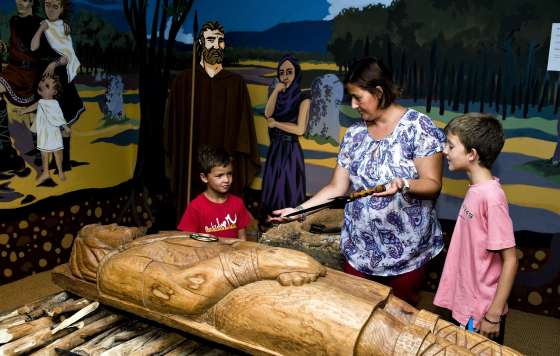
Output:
x=63 y=278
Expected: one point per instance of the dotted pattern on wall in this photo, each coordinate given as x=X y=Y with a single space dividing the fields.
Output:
x=39 y=237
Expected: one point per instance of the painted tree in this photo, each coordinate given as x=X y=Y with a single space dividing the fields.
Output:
x=155 y=53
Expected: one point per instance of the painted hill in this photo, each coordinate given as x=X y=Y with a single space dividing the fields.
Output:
x=308 y=36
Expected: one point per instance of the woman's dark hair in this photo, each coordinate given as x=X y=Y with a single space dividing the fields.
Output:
x=369 y=73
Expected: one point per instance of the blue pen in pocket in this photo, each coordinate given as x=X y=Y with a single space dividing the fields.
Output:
x=470 y=325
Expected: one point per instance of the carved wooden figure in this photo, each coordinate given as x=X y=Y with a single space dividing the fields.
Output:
x=256 y=298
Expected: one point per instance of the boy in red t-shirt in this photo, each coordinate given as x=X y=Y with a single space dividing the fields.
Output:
x=215 y=211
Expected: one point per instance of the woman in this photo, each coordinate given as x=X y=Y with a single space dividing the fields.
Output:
x=287 y=111
x=58 y=56
x=18 y=79
x=387 y=236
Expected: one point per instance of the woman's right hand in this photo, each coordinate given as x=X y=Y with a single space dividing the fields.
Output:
x=279 y=216
x=280 y=87
x=49 y=71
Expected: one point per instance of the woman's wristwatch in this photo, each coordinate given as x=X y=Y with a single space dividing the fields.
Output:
x=302 y=216
x=406 y=186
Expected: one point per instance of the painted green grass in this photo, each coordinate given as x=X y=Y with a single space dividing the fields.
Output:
x=543 y=168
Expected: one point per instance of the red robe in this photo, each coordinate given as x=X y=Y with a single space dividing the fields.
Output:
x=21 y=75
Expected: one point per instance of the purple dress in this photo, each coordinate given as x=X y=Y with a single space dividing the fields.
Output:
x=283 y=181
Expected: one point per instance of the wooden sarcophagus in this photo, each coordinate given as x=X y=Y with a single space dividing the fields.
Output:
x=255 y=298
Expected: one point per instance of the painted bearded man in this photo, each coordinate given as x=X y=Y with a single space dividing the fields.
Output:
x=223 y=117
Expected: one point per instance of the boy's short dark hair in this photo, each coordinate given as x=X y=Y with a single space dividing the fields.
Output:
x=482 y=132
x=57 y=86
x=210 y=157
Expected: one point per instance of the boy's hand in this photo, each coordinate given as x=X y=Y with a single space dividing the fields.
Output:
x=488 y=329
x=67 y=130
x=20 y=111
x=3 y=47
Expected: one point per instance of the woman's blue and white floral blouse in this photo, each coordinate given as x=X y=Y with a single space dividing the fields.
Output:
x=387 y=236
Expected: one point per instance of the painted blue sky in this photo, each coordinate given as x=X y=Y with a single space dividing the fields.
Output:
x=241 y=15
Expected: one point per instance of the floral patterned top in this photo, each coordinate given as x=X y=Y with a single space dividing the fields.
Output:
x=392 y=235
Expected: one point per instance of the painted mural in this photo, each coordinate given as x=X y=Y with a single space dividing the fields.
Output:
x=449 y=56
x=93 y=131
x=447 y=65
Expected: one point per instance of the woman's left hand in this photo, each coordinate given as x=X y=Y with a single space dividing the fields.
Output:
x=271 y=122
x=49 y=71
x=391 y=188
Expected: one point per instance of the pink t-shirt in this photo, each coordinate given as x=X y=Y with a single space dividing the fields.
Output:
x=473 y=264
x=218 y=219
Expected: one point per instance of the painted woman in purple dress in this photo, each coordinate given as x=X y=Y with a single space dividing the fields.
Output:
x=287 y=111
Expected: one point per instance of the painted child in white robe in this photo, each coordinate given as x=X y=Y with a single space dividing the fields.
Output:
x=48 y=123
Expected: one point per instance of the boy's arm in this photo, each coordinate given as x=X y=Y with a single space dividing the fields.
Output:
x=490 y=323
x=27 y=110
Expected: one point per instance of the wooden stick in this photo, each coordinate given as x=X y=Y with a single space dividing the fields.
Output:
x=13 y=321
x=38 y=310
x=31 y=341
x=78 y=337
x=77 y=316
x=67 y=306
x=87 y=348
x=191 y=121
x=133 y=346
x=111 y=338
x=166 y=341
x=56 y=298
x=185 y=348
x=17 y=331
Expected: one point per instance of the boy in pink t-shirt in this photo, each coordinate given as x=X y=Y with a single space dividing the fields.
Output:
x=481 y=262
x=215 y=211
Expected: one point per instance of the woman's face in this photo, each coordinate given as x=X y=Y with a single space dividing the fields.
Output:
x=365 y=102
x=287 y=73
x=24 y=7
x=53 y=9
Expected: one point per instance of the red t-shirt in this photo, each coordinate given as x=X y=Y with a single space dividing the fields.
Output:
x=219 y=219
